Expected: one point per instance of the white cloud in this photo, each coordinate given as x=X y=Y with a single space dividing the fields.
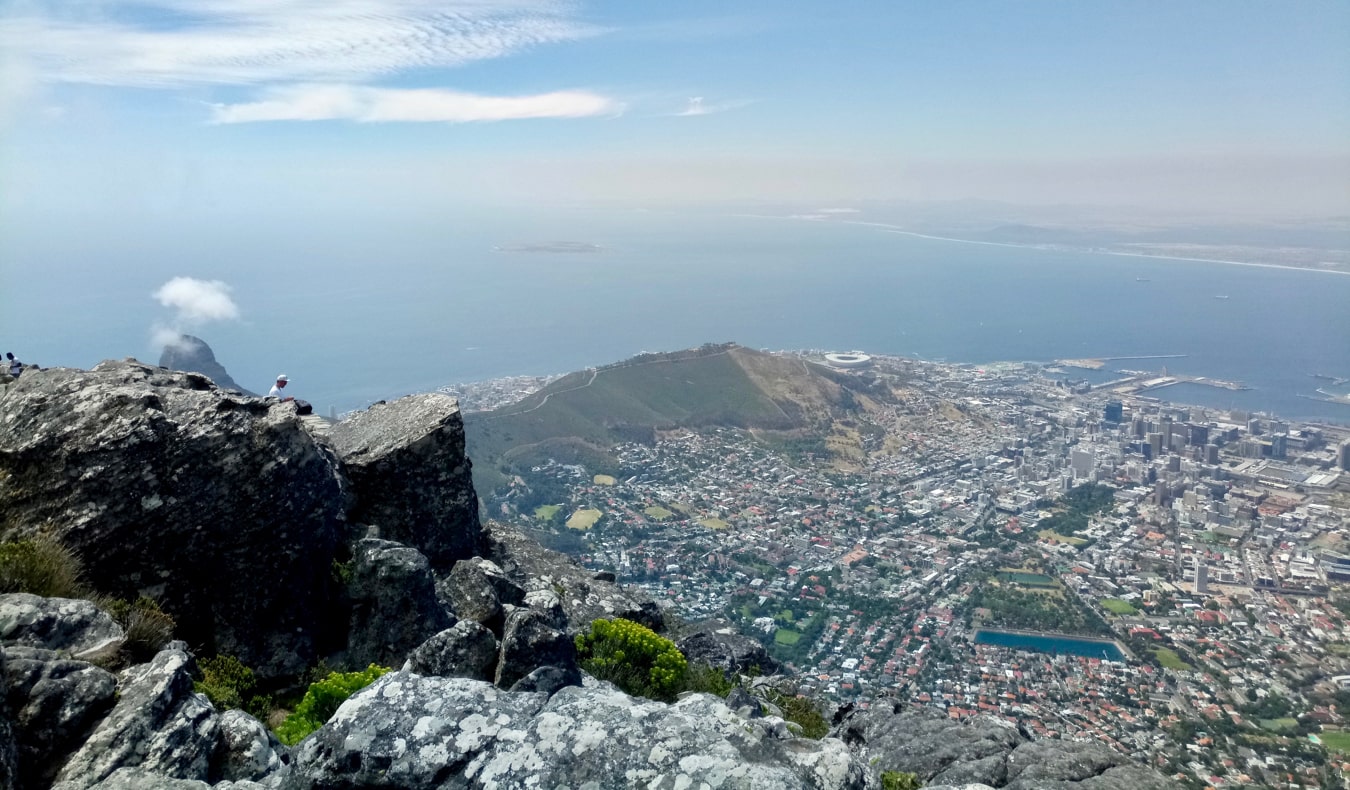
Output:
x=197 y=301
x=175 y=43
x=698 y=106
x=373 y=105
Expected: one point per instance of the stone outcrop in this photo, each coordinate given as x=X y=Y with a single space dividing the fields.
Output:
x=394 y=604
x=985 y=751
x=719 y=645
x=158 y=724
x=407 y=731
x=54 y=702
x=533 y=637
x=247 y=750
x=465 y=650
x=584 y=598
x=476 y=589
x=410 y=475
x=74 y=626
x=192 y=355
x=220 y=507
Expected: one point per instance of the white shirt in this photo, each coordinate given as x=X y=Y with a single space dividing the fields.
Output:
x=275 y=392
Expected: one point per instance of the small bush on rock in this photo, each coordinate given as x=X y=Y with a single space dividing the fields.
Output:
x=322 y=700
x=899 y=780
x=802 y=712
x=225 y=681
x=634 y=658
x=41 y=566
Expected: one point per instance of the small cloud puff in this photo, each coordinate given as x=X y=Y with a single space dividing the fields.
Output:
x=197 y=301
x=698 y=106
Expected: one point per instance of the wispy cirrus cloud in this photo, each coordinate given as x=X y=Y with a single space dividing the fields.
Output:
x=375 y=105
x=697 y=105
x=177 y=43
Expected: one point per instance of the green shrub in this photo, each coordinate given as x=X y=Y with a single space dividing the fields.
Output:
x=899 y=780
x=322 y=700
x=634 y=658
x=225 y=681
x=147 y=627
x=707 y=680
x=41 y=566
x=802 y=712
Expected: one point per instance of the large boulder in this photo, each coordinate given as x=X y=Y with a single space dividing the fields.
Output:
x=584 y=597
x=394 y=604
x=465 y=650
x=158 y=724
x=408 y=731
x=54 y=703
x=74 y=626
x=533 y=638
x=476 y=589
x=247 y=750
x=167 y=486
x=411 y=477
x=9 y=764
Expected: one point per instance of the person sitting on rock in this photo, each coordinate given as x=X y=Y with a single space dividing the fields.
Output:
x=15 y=366
x=275 y=392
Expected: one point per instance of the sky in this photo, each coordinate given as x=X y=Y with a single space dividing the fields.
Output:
x=132 y=111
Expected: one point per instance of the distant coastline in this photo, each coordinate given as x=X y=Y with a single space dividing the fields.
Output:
x=555 y=247
x=896 y=229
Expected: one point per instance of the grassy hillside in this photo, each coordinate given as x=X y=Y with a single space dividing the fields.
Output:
x=578 y=417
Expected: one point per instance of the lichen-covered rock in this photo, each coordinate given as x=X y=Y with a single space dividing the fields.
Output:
x=718 y=644
x=141 y=779
x=74 y=626
x=394 y=604
x=549 y=680
x=584 y=598
x=530 y=640
x=247 y=750
x=9 y=768
x=410 y=475
x=408 y=731
x=54 y=702
x=158 y=724
x=476 y=589
x=167 y=486
x=465 y=650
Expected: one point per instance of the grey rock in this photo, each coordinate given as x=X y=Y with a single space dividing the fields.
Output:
x=719 y=645
x=465 y=650
x=740 y=701
x=54 y=702
x=1072 y=765
x=141 y=779
x=531 y=640
x=168 y=486
x=408 y=731
x=410 y=475
x=476 y=589
x=192 y=354
x=247 y=750
x=394 y=605
x=584 y=598
x=549 y=680
x=9 y=767
x=158 y=724
x=75 y=626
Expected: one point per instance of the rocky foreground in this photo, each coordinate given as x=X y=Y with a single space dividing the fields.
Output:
x=282 y=548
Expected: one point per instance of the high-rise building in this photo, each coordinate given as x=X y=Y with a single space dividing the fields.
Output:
x=1114 y=411
x=1344 y=455
x=1202 y=578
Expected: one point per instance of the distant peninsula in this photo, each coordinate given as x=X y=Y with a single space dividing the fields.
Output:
x=552 y=247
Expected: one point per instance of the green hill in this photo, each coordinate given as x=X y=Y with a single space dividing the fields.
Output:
x=577 y=418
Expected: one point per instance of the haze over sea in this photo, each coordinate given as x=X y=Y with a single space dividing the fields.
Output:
x=379 y=306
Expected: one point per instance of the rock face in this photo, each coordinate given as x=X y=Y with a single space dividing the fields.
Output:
x=394 y=605
x=465 y=650
x=167 y=486
x=476 y=589
x=986 y=751
x=411 y=477
x=247 y=750
x=192 y=355
x=533 y=638
x=407 y=731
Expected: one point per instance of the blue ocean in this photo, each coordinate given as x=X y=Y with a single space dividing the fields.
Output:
x=373 y=307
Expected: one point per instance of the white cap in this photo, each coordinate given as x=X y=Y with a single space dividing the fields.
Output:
x=282 y=377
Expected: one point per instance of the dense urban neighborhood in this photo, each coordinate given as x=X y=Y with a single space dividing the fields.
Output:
x=1082 y=560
